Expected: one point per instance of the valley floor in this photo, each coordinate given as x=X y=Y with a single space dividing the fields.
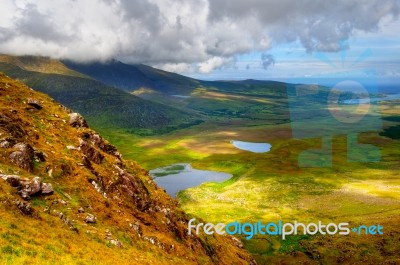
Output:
x=272 y=186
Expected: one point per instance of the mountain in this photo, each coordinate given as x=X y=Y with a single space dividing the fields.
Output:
x=103 y=105
x=160 y=101
x=133 y=77
x=67 y=196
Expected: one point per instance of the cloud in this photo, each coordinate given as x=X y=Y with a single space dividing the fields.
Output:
x=194 y=35
x=267 y=60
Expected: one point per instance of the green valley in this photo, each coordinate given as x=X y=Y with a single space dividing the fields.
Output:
x=195 y=121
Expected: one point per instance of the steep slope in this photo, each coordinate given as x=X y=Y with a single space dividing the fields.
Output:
x=68 y=197
x=104 y=106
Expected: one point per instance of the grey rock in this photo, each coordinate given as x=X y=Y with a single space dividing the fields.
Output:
x=116 y=242
x=47 y=189
x=81 y=210
x=35 y=186
x=90 y=219
x=13 y=180
x=23 y=156
x=76 y=120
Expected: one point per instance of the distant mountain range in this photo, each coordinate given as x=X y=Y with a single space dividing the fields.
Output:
x=145 y=100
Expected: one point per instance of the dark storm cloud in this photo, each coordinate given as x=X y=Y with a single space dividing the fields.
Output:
x=202 y=35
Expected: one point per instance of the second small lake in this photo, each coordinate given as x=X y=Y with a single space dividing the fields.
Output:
x=178 y=177
x=252 y=147
x=358 y=101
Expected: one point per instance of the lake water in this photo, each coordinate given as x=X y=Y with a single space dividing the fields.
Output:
x=371 y=100
x=178 y=177
x=252 y=147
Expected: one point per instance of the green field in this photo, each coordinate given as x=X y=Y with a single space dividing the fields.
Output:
x=272 y=186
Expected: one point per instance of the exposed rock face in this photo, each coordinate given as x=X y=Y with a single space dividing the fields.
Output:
x=134 y=189
x=90 y=152
x=76 y=120
x=23 y=156
x=35 y=103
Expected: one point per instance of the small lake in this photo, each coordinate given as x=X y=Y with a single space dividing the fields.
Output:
x=252 y=147
x=357 y=101
x=178 y=177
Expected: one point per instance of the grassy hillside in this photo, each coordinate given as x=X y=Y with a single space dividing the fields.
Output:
x=103 y=209
x=40 y=64
x=105 y=106
x=133 y=77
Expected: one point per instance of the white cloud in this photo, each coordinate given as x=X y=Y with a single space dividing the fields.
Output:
x=183 y=35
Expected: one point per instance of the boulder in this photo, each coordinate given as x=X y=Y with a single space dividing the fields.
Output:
x=23 y=156
x=90 y=219
x=76 y=120
x=47 y=189
x=30 y=188
x=35 y=103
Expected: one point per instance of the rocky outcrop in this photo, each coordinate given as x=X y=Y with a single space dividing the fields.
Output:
x=90 y=152
x=23 y=156
x=27 y=188
x=134 y=189
x=76 y=120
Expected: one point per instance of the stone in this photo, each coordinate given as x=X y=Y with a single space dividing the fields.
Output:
x=90 y=219
x=76 y=120
x=116 y=242
x=13 y=180
x=35 y=103
x=81 y=210
x=35 y=186
x=23 y=156
x=24 y=207
x=71 y=147
x=47 y=189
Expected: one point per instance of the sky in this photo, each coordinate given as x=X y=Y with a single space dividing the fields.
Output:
x=213 y=39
